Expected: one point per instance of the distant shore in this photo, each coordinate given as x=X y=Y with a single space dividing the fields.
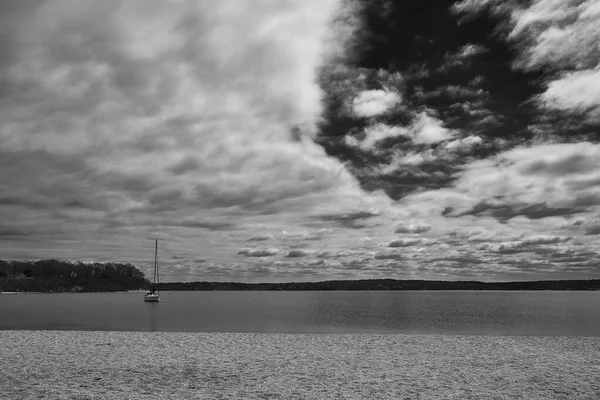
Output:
x=60 y=276
x=169 y=365
x=334 y=285
x=386 y=284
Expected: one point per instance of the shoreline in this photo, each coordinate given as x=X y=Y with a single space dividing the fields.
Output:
x=33 y=284
x=315 y=290
x=135 y=365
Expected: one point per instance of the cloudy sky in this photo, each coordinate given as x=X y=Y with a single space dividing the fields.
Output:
x=280 y=140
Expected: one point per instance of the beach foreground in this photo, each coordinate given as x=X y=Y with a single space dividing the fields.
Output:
x=142 y=365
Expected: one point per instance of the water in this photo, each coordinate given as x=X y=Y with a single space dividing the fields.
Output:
x=423 y=312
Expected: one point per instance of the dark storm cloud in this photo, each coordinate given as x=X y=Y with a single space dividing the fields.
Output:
x=459 y=71
x=428 y=33
x=559 y=40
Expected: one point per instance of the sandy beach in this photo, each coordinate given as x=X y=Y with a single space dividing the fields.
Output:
x=134 y=365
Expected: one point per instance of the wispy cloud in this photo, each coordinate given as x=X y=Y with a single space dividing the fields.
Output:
x=374 y=102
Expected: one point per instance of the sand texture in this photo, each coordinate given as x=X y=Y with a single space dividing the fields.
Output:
x=134 y=365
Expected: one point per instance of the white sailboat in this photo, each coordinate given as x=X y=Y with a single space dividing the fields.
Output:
x=154 y=294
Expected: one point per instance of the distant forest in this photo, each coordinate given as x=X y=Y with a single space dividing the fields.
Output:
x=389 y=284
x=66 y=276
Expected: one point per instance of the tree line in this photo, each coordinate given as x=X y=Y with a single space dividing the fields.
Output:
x=65 y=276
x=62 y=276
x=388 y=284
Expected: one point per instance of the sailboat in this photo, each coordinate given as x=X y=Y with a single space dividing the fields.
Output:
x=154 y=294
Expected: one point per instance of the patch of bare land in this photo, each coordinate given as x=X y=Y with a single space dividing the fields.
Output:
x=134 y=365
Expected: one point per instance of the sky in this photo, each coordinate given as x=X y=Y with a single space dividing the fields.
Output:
x=280 y=140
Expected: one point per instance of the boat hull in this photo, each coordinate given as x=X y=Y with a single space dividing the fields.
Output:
x=152 y=298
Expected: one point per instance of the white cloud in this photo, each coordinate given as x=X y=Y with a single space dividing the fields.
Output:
x=470 y=50
x=564 y=32
x=491 y=236
x=427 y=129
x=575 y=91
x=370 y=103
x=374 y=134
x=558 y=179
x=298 y=235
x=462 y=56
x=424 y=129
x=529 y=244
x=541 y=13
x=465 y=143
x=472 y=6
x=442 y=153
x=543 y=239
x=400 y=160
x=559 y=174
x=366 y=242
x=562 y=36
x=558 y=37
x=417 y=158
x=434 y=202
x=249 y=252
x=591 y=9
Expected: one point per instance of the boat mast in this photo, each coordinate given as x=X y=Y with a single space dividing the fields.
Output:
x=155 y=264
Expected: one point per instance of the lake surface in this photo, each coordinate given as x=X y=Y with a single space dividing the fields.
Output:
x=547 y=313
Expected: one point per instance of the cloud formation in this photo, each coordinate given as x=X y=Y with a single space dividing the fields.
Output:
x=374 y=102
x=405 y=242
x=258 y=252
x=578 y=91
x=559 y=38
x=204 y=123
x=412 y=228
x=560 y=175
x=275 y=140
